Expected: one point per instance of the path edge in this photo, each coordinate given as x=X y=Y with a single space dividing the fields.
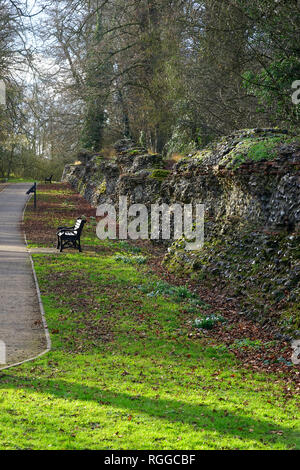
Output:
x=44 y=321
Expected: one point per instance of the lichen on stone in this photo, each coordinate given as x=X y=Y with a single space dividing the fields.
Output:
x=102 y=188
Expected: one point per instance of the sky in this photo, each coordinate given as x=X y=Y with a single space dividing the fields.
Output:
x=42 y=62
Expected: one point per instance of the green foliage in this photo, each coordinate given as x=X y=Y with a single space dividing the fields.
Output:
x=176 y=293
x=181 y=142
x=273 y=87
x=130 y=259
x=158 y=288
x=254 y=148
x=124 y=245
x=134 y=152
x=102 y=188
x=208 y=322
x=183 y=293
x=94 y=123
x=264 y=150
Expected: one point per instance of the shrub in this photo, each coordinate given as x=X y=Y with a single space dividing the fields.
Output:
x=161 y=288
x=207 y=323
x=178 y=294
x=130 y=259
x=135 y=152
x=183 y=293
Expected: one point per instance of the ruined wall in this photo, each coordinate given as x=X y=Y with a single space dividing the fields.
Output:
x=263 y=191
x=250 y=185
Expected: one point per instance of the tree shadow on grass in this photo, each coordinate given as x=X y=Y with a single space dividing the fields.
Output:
x=198 y=416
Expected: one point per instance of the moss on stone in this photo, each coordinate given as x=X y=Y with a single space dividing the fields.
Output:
x=136 y=151
x=202 y=154
x=98 y=159
x=290 y=317
x=159 y=174
x=102 y=188
x=246 y=145
x=254 y=149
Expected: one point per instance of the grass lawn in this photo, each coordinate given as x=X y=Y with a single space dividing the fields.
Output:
x=124 y=372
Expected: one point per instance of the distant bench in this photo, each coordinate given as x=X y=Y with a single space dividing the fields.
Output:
x=69 y=237
x=49 y=180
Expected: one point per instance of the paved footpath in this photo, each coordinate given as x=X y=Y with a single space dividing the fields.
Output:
x=21 y=327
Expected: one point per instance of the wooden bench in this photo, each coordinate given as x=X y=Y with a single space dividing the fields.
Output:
x=49 y=180
x=69 y=237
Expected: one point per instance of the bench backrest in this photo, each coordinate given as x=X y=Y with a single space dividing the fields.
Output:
x=79 y=225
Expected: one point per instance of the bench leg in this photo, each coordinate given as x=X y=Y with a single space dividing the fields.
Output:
x=61 y=244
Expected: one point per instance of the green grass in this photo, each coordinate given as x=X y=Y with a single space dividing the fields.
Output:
x=124 y=374
x=130 y=259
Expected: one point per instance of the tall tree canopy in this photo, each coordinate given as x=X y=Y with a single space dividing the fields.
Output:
x=171 y=74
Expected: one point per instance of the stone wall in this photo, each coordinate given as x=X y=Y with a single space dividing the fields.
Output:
x=266 y=191
x=250 y=185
